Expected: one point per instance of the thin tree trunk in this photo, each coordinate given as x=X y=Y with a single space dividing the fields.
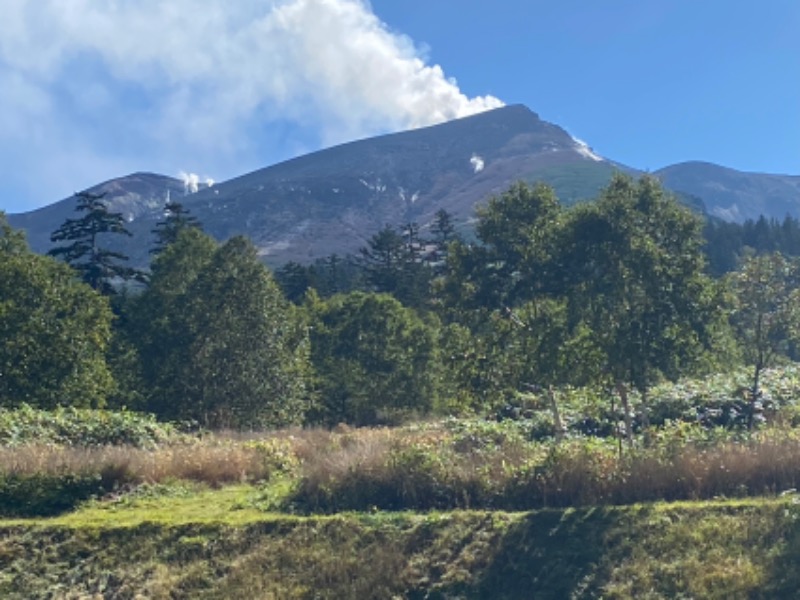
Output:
x=622 y=390
x=551 y=395
x=754 y=393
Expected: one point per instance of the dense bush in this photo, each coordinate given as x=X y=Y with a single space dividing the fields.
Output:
x=81 y=427
x=375 y=360
x=54 y=330
x=47 y=494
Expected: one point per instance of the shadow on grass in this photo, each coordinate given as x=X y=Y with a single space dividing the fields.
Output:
x=555 y=554
x=782 y=579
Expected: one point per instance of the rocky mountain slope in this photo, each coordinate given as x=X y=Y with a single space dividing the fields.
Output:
x=333 y=200
x=735 y=195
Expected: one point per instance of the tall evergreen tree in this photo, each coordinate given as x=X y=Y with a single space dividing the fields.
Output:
x=382 y=260
x=177 y=218
x=392 y=264
x=443 y=228
x=98 y=266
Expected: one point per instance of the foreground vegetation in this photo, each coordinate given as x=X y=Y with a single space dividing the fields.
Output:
x=695 y=444
x=115 y=504
x=536 y=412
x=216 y=547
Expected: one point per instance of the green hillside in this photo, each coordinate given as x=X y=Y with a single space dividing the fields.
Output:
x=212 y=547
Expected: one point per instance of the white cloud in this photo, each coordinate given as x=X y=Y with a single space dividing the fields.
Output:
x=206 y=80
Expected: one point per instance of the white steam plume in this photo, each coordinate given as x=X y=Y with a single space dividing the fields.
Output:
x=207 y=88
x=191 y=182
x=477 y=163
x=584 y=150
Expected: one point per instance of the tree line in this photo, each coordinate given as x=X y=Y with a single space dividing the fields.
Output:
x=616 y=293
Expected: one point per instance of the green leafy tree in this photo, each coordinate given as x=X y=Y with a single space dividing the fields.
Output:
x=150 y=335
x=545 y=353
x=54 y=331
x=236 y=352
x=767 y=313
x=487 y=284
x=473 y=374
x=635 y=277
x=375 y=359
x=514 y=260
x=97 y=266
x=12 y=241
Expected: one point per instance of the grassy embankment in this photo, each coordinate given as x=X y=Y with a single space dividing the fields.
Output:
x=455 y=508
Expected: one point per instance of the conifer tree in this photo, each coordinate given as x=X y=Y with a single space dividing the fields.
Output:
x=176 y=219
x=97 y=266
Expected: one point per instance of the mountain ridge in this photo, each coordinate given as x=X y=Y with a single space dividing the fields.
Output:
x=334 y=199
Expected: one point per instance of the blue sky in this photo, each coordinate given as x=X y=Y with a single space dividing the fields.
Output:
x=93 y=89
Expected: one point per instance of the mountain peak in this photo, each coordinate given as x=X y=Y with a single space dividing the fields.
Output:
x=334 y=200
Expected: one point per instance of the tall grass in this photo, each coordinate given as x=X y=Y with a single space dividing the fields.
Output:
x=394 y=472
x=45 y=479
x=432 y=466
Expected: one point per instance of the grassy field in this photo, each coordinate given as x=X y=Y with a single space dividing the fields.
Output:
x=205 y=543
x=96 y=504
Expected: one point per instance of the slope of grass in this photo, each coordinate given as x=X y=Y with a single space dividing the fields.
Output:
x=214 y=544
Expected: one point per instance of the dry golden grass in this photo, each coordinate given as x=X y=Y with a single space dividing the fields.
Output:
x=214 y=464
x=431 y=467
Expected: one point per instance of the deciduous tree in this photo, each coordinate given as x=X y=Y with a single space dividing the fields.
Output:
x=54 y=331
x=767 y=314
x=374 y=358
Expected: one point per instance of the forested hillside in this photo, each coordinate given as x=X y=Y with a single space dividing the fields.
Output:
x=564 y=356
x=614 y=294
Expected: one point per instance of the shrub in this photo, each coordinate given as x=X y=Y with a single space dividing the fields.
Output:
x=47 y=494
x=82 y=427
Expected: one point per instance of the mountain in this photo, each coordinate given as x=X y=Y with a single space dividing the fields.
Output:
x=734 y=195
x=140 y=197
x=335 y=199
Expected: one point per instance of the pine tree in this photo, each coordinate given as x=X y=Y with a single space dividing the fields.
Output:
x=97 y=266
x=176 y=219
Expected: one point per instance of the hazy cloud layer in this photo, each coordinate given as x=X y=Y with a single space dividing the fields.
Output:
x=97 y=89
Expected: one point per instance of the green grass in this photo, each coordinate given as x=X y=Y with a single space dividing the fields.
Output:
x=202 y=543
x=479 y=509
